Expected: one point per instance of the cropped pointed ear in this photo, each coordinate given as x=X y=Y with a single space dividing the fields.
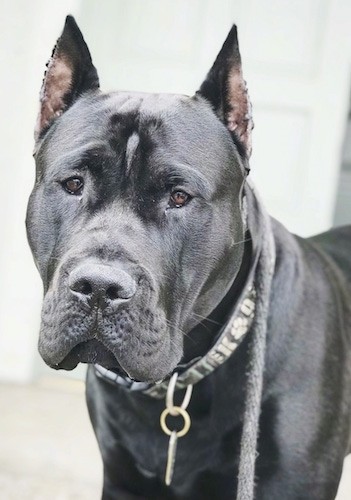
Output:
x=70 y=73
x=225 y=88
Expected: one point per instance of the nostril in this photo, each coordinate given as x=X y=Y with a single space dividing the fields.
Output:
x=83 y=287
x=86 y=288
x=113 y=292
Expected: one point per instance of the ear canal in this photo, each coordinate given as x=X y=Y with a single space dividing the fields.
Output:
x=226 y=90
x=70 y=73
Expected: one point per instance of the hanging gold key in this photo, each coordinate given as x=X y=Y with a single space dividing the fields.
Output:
x=175 y=411
x=174 y=435
x=172 y=450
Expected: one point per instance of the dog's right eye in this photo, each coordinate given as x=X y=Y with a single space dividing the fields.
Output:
x=73 y=185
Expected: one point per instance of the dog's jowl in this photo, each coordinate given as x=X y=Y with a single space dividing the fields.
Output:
x=162 y=270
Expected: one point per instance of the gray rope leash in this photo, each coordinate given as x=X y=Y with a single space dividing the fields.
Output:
x=248 y=448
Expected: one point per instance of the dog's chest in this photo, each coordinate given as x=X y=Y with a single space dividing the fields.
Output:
x=212 y=443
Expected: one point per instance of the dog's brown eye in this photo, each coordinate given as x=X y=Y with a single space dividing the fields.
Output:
x=178 y=199
x=73 y=185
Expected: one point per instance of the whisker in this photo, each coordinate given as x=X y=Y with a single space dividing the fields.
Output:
x=169 y=323
x=242 y=241
x=207 y=319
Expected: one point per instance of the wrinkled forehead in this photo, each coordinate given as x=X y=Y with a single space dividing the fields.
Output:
x=176 y=127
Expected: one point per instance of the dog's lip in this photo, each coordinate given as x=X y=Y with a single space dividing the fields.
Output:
x=93 y=351
x=90 y=351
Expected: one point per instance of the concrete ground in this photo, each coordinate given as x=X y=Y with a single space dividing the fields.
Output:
x=48 y=449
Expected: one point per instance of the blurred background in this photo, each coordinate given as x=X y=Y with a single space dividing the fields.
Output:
x=297 y=61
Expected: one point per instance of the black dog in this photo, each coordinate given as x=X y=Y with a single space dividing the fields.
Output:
x=156 y=257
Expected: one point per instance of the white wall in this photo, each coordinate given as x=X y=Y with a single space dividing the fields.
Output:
x=28 y=31
x=342 y=213
x=296 y=56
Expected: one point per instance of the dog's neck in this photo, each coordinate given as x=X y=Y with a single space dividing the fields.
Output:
x=201 y=338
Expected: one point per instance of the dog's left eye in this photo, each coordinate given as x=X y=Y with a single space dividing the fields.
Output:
x=73 y=185
x=178 y=199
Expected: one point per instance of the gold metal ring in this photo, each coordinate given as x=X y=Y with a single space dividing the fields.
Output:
x=181 y=412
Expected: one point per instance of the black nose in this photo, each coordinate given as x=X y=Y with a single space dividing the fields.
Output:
x=101 y=285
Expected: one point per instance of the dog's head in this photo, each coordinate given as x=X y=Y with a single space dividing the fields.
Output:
x=135 y=219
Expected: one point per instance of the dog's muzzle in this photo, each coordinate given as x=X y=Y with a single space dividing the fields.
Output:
x=107 y=313
x=88 y=292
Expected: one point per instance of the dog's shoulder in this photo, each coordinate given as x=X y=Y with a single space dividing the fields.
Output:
x=318 y=269
x=336 y=244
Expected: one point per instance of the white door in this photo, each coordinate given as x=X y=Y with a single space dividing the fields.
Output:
x=296 y=57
